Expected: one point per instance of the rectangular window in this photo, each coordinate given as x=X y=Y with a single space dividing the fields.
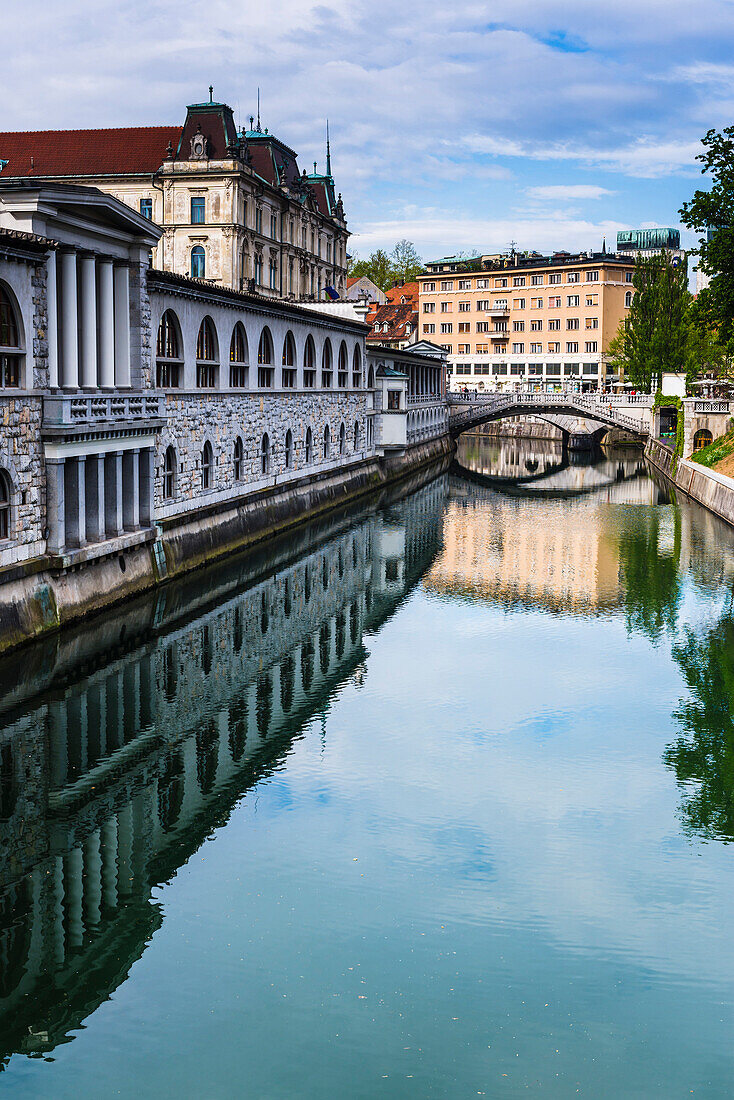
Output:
x=554 y=325
x=428 y=288
x=447 y=284
x=464 y=326
x=146 y=209
x=554 y=278
x=482 y=326
x=274 y=227
x=517 y=368
x=536 y=303
x=259 y=221
x=501 y=303
x=500 y=326
x=429 y=307
x=429 y=329
x=464 y=307
x=536 y=280
x=518 y=326
x=554 y=347
x=482 y=349
x=464 y=349
x=536 y=349
x=573 y=277
x=464 y=284
x=592 y=276
x=535 y=368
x=554 y=303
x=573 y=300
x=518 y=303
x=447 y=307
x=518 y=349
x=446 y=327
x=536 y=326
x=500 y=283
x=572 y=347
x=572 y=323
x=628 y=276
x=571 y=368
x=482 y=284
x=483 y=305
x=518 y=280
x=497 y=368
x=483 y=368
x=393 y=400
x=592 y=322
x=591 y=368
x=590 y=347
x=592 y=299
x=198 y=210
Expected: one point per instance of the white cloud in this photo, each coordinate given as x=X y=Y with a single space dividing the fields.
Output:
x=644 y=157
x=563 y=191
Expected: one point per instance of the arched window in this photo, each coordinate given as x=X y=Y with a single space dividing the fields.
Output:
x=289 y=361
x=356 y=368
x=308 y=447
x=628 y=299
x=206 y=355
x=288 y=449
x=343 y=376
x=198 y=262
x=327 y=442
x=309 y=364
x=5 y=495
x=265 y=454
x=239 y=459
x=168 y=353
x=238 y=357
x=371 y=378
x=207 y=466
x=10 y=345
x=265 y=370
x=326 y=365
x=356 y=436
x=169 y=473
x=342 y=439
x=702 y=438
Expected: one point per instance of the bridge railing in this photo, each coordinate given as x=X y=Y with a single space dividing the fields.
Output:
x=596 y=405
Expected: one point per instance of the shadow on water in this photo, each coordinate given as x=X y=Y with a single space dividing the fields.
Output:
x=152 y=724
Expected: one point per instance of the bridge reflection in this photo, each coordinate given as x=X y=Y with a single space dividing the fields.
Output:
x=151 y=726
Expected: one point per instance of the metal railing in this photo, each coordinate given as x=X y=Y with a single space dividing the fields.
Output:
x=595 y=405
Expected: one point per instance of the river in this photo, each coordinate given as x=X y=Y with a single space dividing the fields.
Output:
x=433 y=799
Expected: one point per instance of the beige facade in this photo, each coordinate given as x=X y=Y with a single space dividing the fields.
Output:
x=536 y=322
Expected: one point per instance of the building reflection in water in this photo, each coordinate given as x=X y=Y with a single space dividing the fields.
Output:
x=151 y=726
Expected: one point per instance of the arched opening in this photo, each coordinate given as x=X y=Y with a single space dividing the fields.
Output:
x=207 y=357
x=327 y=371
x=356 y=368
x=265 y=369
x=288 y=449
x=371 y=378
x=238 y=357
x=265 y=454
x=327 y=442
x=343 y=372
x=628 y=299
x=207 y=466
x=289 y=362
x=11 y=355
x=356 y=436
x=702 y=438
x=238 y=459
x=198 y=262
x=169 y=473
x=308 y=447
x=5 y=500
x=342 y=439
x=168 y=353
x=309 y=364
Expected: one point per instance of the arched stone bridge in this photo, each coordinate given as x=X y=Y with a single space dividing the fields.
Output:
x=631 y=414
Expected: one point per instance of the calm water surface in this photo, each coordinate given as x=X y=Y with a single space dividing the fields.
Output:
x=435 y=801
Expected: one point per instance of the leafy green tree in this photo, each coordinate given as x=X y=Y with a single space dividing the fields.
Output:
x=402 y=265
x=378 y=267
x=655 y=334
x=406 y=263
x=711 y=213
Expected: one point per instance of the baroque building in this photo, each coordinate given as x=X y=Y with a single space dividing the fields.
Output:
x=234 y=207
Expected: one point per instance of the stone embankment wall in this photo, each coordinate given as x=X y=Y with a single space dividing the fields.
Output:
x=35 y=600
x=520 y=427
x=713 y=490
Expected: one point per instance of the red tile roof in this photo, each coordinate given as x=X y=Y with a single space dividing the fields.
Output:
x=396 y=317
x=409 y=291
x=129 y=149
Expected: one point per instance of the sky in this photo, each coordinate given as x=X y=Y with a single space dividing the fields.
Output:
x=458 y=126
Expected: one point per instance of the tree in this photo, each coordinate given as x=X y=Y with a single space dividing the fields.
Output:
x=406 y=262
x=655 y=334
x=711 y=215
x=377 y=267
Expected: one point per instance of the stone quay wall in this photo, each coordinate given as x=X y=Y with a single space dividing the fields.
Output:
x=714 y=491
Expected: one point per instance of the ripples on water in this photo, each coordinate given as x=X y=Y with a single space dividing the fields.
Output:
x=428 y=800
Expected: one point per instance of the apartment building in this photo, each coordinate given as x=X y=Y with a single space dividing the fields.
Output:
x=526 y=321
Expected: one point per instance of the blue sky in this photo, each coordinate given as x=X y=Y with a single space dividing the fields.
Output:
x=459 y=126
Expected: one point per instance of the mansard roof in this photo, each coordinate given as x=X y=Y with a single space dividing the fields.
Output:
x=216 y=122
x=129 y=150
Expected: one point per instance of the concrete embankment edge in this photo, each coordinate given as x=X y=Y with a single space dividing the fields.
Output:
x=40 y=597
x=712 y=490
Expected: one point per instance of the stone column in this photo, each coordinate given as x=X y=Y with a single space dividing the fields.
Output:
x=95 y=498
x=106 y=326
x=55 y=505
x=69 y=322
x=147 y=479
x=113 y=494
x=122 y=326
x=78 y=466
x=88 y=303
x=131 y=489
x=52 y=321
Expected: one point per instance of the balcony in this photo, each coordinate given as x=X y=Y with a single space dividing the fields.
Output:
x=65 y=413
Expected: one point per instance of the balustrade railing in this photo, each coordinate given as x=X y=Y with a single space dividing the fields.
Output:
x=711 y=406
x=72 y=410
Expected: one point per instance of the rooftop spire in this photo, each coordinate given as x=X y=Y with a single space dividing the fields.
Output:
x=258 y=108
x=328 y=150
x=211 y=93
